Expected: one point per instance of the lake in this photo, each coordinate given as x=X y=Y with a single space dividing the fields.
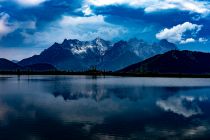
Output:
x=103 y=108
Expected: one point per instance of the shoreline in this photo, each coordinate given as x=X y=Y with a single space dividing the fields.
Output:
x=155 y=75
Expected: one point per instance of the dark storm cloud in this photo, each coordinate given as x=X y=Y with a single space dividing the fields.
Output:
x=46 y=12
x=169 y=18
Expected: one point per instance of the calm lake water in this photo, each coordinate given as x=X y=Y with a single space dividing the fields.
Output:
x=99 y=108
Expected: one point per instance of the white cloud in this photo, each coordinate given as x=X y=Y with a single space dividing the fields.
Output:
x=187 y=5
x=176 y=104
x=202 y=40
x=196 y=6
x=188 y=40
x=5 y=26
x=29 y=2
x=199 y=130
x=176 y=33
x=86 y=10
x=69 y=20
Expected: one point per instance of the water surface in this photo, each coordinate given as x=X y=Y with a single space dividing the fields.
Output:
x=103 y=108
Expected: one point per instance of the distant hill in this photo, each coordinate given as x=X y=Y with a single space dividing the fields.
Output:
x=78 y=55
x=173 y=62
x=6 y=65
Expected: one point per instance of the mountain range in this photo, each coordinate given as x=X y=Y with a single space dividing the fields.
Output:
x=75 y=55
x=132 y=56
x=173 y=62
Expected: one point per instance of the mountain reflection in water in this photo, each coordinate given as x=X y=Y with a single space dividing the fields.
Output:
x=101 y=108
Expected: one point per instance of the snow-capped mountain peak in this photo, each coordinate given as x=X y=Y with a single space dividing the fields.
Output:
x=97 y=46
x=74 y=54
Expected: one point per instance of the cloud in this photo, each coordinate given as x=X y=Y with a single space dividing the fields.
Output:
x=191 y=40
x=69 y=20
x=202 y=40
x=199 y=130
x=176 y=104
x=5 y=26
x=86 y=10
x=29 y=2
x=188 y=40
x=176 y=34
x=187 y=5
x=82 y=28
x=201 y=7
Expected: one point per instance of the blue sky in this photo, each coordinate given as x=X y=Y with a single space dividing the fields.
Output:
x=29 y=26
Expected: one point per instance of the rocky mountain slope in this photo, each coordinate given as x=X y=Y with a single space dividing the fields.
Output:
x=75 y=55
